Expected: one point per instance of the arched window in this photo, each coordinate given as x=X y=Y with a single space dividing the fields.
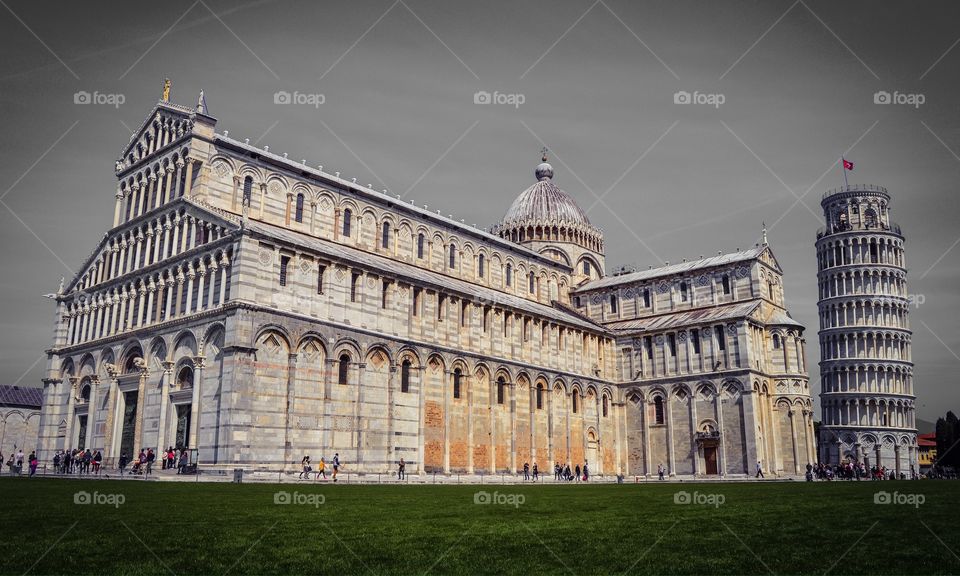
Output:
x=509 y=274
x=405 y=376
x=726 y=284
x=85 y=393
x=247 y=190
x=343 y=371
x=500 y=389
x=586 y=267
x=532 y=280
x=457 y=378
x=480 y=266
x=576 y=403
x=385 y=236
x=453 y=256
x=298 y=215
x=539 y=396
x=185 y=378
x=347 y=216
x=613 y=303
x=605 y=403
x=870 y=217
x=683 y=292
x=658 y=410
x=776 y=341
x=420 y=241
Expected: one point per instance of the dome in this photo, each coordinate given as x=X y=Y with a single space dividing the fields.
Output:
x=544 y=203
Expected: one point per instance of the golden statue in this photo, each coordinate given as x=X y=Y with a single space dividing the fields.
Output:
x=166 y=90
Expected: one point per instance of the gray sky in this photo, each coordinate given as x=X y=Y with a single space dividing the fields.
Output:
x=597 y=79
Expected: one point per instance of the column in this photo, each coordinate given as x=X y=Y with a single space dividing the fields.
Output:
x=167 y=184
x=191 y=274
x=671 y=448
x=178 y=186
x=202 y=271
x=693 y=433
x=92 y=411
x=188 y=181
x=198 y=364
x=721 y=456
x=117 y=207
x=72 y=384
x=224 y=265
x=213 y=281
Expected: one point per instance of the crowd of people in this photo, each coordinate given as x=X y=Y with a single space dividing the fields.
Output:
x=562 y=472
x=321 y=471
x=15 y=462
x=853 y=471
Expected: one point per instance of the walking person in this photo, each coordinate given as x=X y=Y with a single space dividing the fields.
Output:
x=660 y=471
x=122 y=463
x=526 y=471
x=171 y=456
x=536 y=472
x=321 y=469
x=19 y=461
x=759 y=470
x=576 y=471
x=305 y=472
x=150 y=458
x=401 y=470
x=586 y=472
x=33 y=463
x=97 y=459
x=336 y=465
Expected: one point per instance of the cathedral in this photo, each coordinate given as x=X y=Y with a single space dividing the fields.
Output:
x=255 y=309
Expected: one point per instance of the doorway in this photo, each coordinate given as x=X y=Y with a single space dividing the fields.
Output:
x=710 y=459
x=182 y=437
x=128 y=431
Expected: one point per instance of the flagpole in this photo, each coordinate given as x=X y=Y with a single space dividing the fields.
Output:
x=843 y=168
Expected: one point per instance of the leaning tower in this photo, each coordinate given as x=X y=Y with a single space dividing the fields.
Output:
x=866 y=368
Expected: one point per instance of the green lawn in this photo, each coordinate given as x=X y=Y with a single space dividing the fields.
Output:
x=164 y=527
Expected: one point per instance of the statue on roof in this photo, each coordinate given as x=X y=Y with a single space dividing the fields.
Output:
x=166 y=90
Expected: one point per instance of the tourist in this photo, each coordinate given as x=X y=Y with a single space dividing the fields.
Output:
x=759 y=470
x=401 y=470
x=336 y=465
x=660 y=471
x=87 y=459
x=321 y=469
x=536 y=472
x=97 y=459
x=576 y=471
x=526 y=471
x=171 y=456
x=123 y=462
x=184 y=460
x=557 y=471
x=19 y=461
x=586 y=473
x=305 y=464
x=33 y=463
x=150 y=458
x=566 y=473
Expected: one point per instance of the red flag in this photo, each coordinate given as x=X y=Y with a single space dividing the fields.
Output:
x=848 y=165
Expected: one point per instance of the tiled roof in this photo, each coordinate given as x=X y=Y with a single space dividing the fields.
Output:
x=672 y=269
x=544 y=203
x=686 y=318
x=782 y=318
x=24 y=397
x=410 y=272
